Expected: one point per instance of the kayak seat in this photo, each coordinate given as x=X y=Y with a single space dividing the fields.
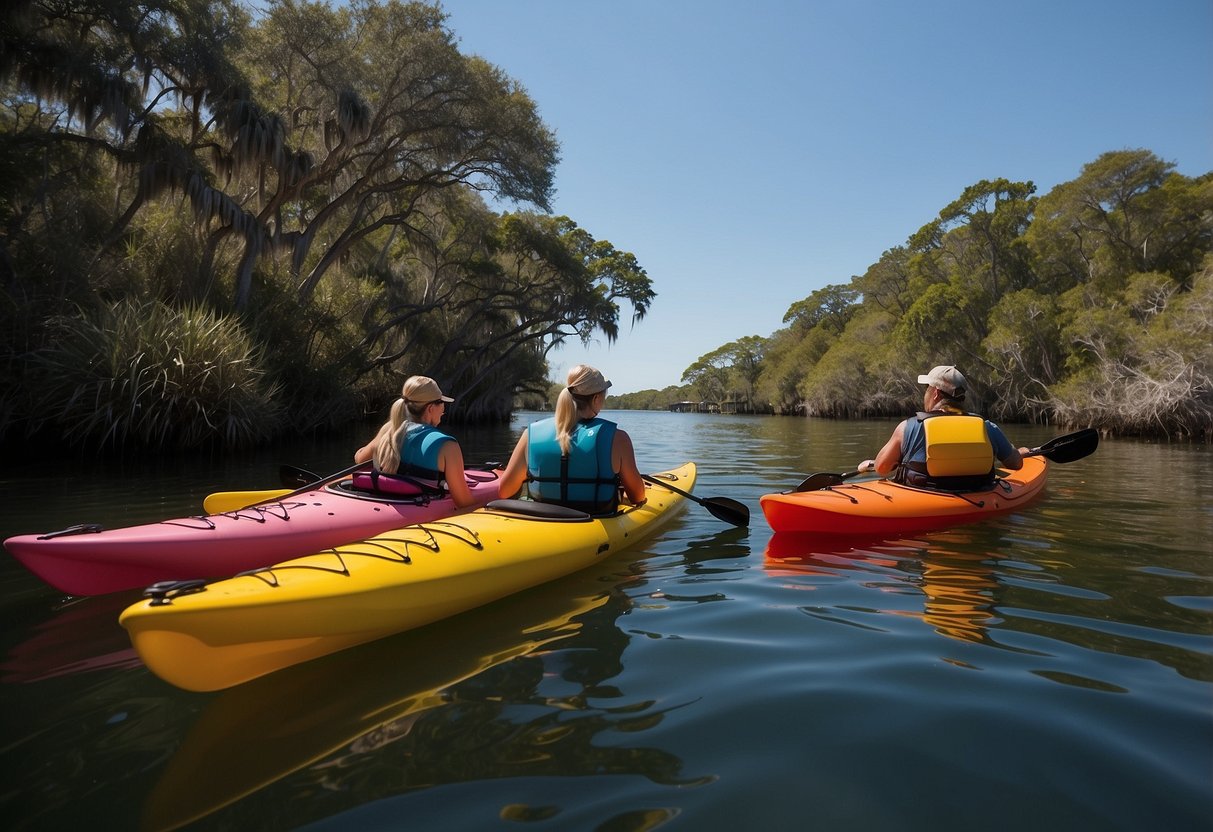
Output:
x=541 y=511
x=394 y=485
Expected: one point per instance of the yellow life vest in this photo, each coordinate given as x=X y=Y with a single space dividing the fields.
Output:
x=957 y=446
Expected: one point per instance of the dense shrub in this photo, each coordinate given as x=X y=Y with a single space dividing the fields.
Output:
x=146 y=373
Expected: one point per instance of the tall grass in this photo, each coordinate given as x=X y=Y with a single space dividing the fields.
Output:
x=140 y=373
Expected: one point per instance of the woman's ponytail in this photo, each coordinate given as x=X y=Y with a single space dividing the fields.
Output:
x=566 y=419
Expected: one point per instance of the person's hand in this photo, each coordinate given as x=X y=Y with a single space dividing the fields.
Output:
x=866 y=466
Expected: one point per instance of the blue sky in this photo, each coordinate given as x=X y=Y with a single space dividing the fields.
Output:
x=750 y=153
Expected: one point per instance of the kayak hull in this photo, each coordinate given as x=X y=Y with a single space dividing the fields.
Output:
x=885 y=508
x=93 y=561
x=250 y=625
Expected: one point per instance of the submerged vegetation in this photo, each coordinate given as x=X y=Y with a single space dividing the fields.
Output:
x=1091 y=305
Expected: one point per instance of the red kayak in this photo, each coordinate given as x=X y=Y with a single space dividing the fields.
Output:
x=89 y=560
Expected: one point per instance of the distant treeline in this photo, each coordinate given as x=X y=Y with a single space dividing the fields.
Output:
x=1090 y=305
x=218 y=225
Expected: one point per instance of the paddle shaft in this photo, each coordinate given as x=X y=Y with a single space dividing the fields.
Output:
x=308 y=487
x=722 y=508
x=295 y=476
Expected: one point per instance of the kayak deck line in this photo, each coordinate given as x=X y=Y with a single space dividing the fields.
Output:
x=1008 y=490
x=382 y=548
x=90 y=560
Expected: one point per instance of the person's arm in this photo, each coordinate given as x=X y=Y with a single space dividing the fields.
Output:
x=450 y=462
x=367 y=452
x=1007 y=454
x=1014 y=460
x=511 y=479
x=624 y=458
x=889 y=456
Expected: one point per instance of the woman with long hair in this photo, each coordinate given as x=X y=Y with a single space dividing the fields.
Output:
x=575 y=458
x=409 y=442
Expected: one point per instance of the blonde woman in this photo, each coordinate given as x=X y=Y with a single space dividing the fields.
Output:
x=410 y=443
x=575 y=458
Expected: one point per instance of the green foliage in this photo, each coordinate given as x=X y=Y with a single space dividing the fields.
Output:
x=154 y=375
x=1024 y=352
x=852 y=378
x=1146 y=361
x=730 y=374
x=1088 y=305
x=650 y=399
x=829 y=307
x=314 y=172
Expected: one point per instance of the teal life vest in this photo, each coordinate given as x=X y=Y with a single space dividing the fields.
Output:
x=584 y=479
x=418 y=472
x=419 y=451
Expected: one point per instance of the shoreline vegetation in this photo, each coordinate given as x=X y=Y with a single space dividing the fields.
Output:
x=222 y=225
x=1090 y=306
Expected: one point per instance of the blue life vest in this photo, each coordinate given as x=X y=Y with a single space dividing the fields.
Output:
x=418 y=470
x=585 y=479
x=948 y=451
x=419 y=451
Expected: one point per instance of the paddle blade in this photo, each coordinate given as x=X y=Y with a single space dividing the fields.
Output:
x=222 y=501
x=816 y=482
x=1069 y=447
x=730 y=511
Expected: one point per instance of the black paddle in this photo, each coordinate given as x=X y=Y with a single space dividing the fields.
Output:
x=303 y=481
x=722 y=508
x=816 y=482
x=1066 y=448
x=294 y=477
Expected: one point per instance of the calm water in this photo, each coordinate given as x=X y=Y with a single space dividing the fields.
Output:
x=1049 y=670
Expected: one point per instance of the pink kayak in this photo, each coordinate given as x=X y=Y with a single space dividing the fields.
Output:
x=89 y=560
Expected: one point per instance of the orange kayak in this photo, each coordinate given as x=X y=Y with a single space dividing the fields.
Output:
x=881 y=507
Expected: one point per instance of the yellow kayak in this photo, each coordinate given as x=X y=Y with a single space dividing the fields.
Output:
x=206 y=636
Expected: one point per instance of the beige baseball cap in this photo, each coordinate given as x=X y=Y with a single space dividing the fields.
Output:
x=584 y=380
x=947 y=379
x=423 y=390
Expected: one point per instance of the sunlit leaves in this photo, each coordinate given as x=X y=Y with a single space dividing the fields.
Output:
x=1089 y=304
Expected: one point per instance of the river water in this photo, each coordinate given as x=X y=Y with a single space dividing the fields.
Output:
x=1048 y=670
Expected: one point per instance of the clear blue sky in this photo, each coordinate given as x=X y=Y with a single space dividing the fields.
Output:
x=749 y=153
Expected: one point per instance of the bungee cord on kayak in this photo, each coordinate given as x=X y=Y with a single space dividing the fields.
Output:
x=352 y=593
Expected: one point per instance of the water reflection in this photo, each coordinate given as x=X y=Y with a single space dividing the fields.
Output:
x=957 y=585
x=517 y=686
x=1074 y=638
x=76 y=635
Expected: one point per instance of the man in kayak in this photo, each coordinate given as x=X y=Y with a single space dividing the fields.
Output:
x=410 y=443
x=576 y=459
x=945 y=447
